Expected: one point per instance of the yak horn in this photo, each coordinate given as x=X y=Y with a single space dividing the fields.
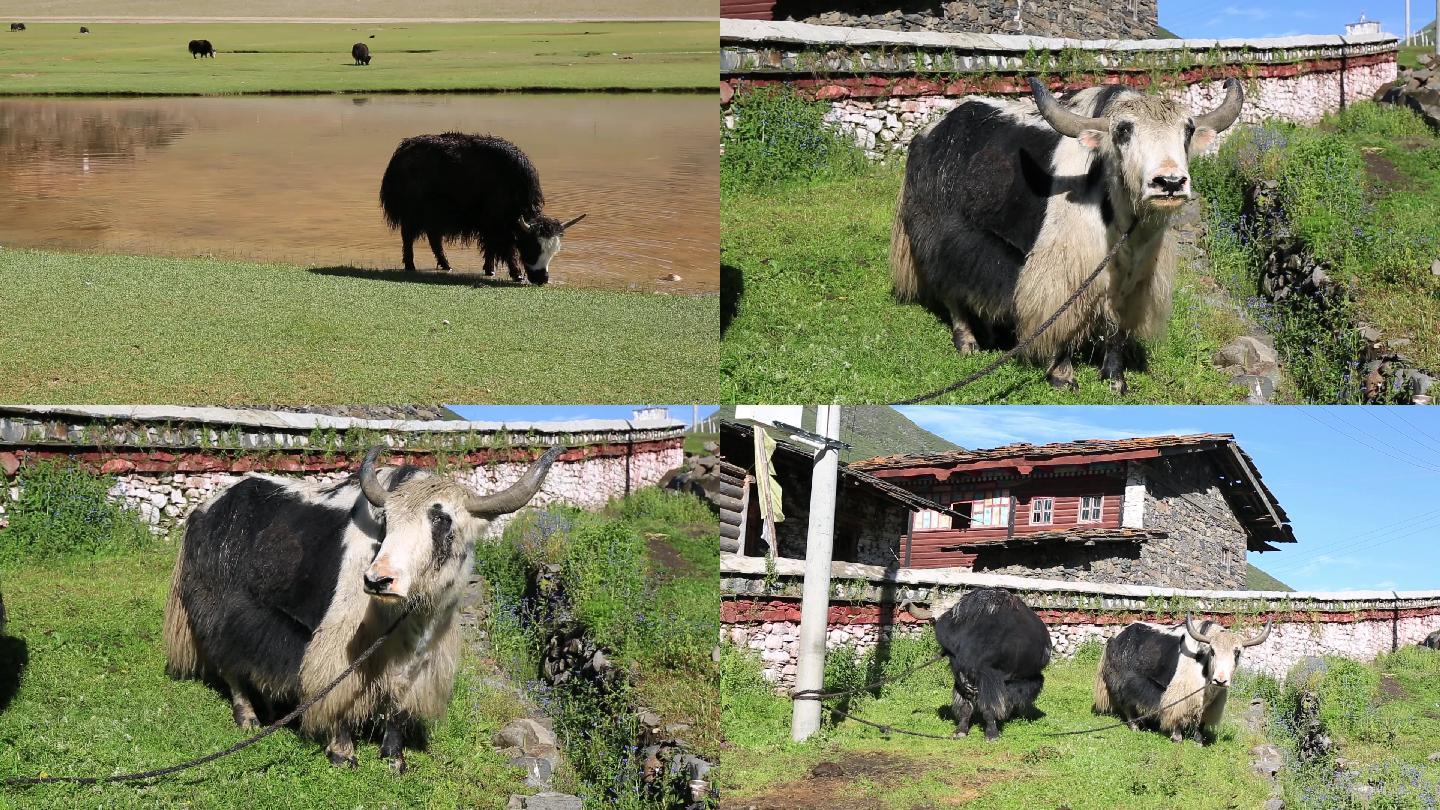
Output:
x=518 y=494
x=1264 y=634
x=524 y=226
x=571 y=222
x=1060 y=118
x=369 y=482
x=1195 y=631
x=923 y=614
x=1220 y=118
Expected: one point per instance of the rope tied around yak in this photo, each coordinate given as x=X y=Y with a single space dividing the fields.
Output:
x=1024 y=344
x=243 y=744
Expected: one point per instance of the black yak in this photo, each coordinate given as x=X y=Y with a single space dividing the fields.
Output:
x=361 y=53
x=84 y=30
x=201 y=47
x=1008 y=206
x=280 y=584
x=998 y=650
x=17 y=26
x=1184 y=669
x=476 y=188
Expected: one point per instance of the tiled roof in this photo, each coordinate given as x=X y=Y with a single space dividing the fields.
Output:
x=1076 y=536
x=1043 y=451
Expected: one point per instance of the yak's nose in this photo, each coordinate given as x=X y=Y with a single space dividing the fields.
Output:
x=1170 y=183
x=377 y=584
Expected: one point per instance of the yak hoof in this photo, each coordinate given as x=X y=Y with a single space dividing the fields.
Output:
x=1068 y=383
x=397 y=764
x=247 y=721
x=965 y=342
x=1119 y=387
x=1176 y=736
x=961 y=734
x=342 y=761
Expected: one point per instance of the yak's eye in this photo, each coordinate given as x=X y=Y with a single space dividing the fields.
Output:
x=1121 y=132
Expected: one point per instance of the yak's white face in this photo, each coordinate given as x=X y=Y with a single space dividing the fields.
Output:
x=1225 y=649
x=429 y=541
x=1151 y=139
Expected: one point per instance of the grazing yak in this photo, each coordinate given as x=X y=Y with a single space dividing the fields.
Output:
x=361 y=53
x=281 y=584
x=84 y=30
x=476 y=188
x=1149 y=666
x=998 y=650
x=17 y=26
x=201 y=47
x=1008 y=206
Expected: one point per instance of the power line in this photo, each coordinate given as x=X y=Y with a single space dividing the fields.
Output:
x=1320 y=550
x=1328 y=426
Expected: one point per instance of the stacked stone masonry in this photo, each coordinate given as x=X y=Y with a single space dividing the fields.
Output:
x=865 y=611
x=1131 y=19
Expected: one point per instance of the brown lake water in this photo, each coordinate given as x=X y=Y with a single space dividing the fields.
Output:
x=296 y=179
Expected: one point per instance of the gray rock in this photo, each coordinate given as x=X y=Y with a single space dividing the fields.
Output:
x=1435 y=268
x=1274 y=804
x=538 y=770
x=1258 y=390
x=1249 y=354
x=529 y=736
x=548 y=800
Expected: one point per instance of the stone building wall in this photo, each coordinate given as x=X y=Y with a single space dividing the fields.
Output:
x=864 y=612
x=1130 y=19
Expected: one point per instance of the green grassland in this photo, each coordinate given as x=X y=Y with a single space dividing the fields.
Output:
x=313 y=57
x=817 y=322
x=77 y=328
x=850 y=765
x=93 y=699
x=344 y=9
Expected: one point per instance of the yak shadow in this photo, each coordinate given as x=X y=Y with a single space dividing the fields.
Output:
x=14 y=657
x=1031 y=714
x=451 y=279
x=732 y=288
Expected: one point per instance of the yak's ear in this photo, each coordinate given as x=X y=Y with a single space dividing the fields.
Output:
x=1201 y=139
x=1090 y=138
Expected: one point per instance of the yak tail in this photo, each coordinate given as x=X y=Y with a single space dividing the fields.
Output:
x=182 y=656
x=903 y=280
x=1103 y=704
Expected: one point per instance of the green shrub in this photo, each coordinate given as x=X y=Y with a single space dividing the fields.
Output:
x=1347 y=690
x=63 y=511
x=779 y=137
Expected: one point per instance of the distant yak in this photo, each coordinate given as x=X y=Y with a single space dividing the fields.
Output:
x=475 y=188
x=201 y=47
x=361 y=52
x=84 y=30
x=17 y=26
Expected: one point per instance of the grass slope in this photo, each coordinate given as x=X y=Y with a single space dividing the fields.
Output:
x=322 y=9
x=123 y=329
x=817 y=322
x=312 y=57
x=94 y=700
x=1024 y=769
x=1257 y=580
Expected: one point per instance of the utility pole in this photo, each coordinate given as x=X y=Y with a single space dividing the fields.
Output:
x=819 y=546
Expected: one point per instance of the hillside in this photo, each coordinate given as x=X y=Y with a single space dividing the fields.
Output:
x=1257 y=580
x=873 y=430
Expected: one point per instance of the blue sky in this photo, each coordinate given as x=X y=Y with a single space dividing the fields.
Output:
x=558 y=413
x=1204 y=20
x=1361 y=484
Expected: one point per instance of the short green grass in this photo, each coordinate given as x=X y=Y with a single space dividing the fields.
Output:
x=817 y=321
x=346 y=9
x=1024 y=769
x=79 y=328
x=314 y=57
x=94 y=700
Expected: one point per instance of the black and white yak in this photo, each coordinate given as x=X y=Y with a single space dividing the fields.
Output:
x=280 y=584
x=475 y=188
x=1149 y=667
x=1007 y=206
x=998 y=650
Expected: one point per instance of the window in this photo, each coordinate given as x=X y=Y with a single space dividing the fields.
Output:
x=1091 y=508
x=930 y=520
x=1042 y=511
x=986 y=509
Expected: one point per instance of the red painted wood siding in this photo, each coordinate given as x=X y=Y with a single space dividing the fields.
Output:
x=1066 y=491
x=748 y=9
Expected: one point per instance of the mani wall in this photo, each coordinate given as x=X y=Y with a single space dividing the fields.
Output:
x=760 y=612
x=166 y=460
x=884 y=86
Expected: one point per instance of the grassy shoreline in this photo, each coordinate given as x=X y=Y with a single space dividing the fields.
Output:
x=81 y=328
x=285 y=57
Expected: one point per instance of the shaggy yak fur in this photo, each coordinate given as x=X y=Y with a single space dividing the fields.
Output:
x=1149 y=666
x=201 y=47
x=361 y=53
x=475 y=188
x=1007 y=206
x=281 y=584
x=998 y=649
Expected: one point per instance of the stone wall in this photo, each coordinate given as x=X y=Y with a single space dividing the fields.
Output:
x=1131 y=19
x=162 y=472
x=885 y=86
x=865 y=612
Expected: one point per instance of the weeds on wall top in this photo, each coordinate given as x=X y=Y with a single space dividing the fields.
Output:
x=63 y=511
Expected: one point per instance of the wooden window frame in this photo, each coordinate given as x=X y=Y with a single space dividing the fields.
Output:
x=1049 y=511
x=1099 y=510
